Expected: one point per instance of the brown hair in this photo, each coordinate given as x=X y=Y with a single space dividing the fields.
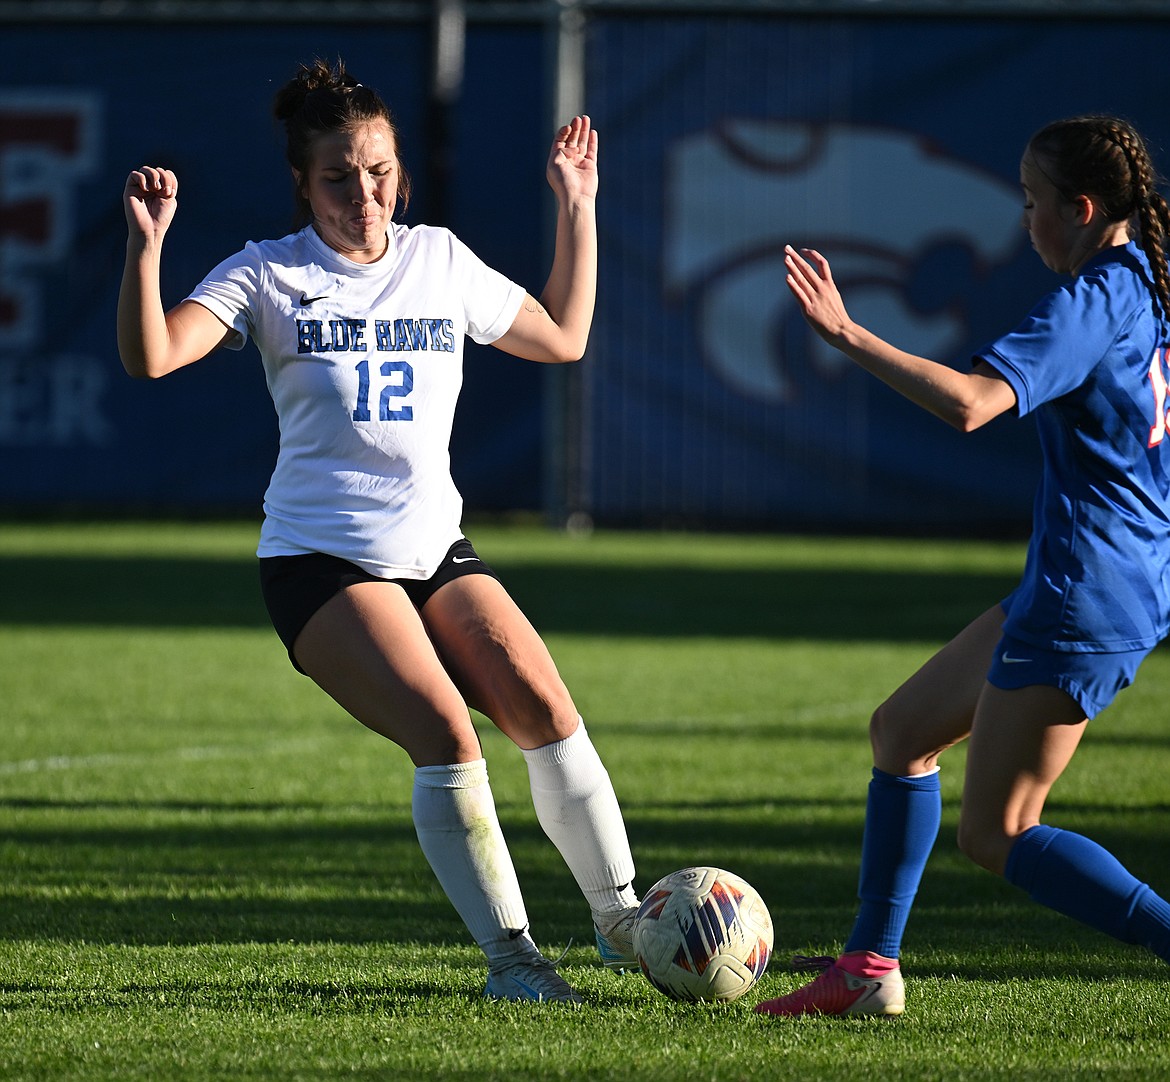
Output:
x=321 y=99
x=1105 y=157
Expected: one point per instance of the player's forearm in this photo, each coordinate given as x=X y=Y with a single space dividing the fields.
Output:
x=143 y=338
x=954 y=397
x=570 y=293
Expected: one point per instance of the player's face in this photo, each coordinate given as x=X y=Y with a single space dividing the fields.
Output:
x=352 y=186
x=1050 y=218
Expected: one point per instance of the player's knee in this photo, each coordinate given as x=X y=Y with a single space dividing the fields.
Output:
x=556 y=721
x=983 y=843
x=886 y=737
x=543 y=716
x=440 y=745
x=899 y=744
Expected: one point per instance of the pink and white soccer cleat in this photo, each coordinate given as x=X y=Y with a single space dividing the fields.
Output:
x=859 y=982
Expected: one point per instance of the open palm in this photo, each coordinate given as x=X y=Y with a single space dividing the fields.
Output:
x=572 y=162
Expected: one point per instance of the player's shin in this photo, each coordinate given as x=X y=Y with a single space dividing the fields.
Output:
x=577 y=808
x=1075 y=876
x=459 y=832
x=902 y=819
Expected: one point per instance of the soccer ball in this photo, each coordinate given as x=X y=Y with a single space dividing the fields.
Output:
x=703 y=934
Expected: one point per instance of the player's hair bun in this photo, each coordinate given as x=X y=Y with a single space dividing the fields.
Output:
x=309 y=81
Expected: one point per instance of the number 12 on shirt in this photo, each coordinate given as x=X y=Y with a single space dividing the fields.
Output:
x=400 y=382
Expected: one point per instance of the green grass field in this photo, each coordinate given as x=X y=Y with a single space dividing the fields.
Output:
x=208 y=871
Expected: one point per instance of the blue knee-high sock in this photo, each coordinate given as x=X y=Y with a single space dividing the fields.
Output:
x=902 y=817
x=1077 y=877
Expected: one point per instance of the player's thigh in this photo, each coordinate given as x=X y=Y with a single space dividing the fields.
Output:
x=498 y=660
x=1021 y=741
x=368 y=649
x=933 y=710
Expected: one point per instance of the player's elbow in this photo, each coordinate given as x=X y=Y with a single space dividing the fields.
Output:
x=973 y=410
x=570 y=356
x=976 y=414
x=967 y=420
x=135 y=371
x=566 y=349
x=984 y=395
x=140 y=366
x=136 y=367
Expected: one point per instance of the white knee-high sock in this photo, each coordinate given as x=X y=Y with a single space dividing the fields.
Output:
x=578 y=810
x=455 y=819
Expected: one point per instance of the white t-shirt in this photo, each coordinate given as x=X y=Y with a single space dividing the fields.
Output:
x=364 y=363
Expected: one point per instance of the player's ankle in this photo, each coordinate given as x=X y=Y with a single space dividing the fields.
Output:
x=867 y=964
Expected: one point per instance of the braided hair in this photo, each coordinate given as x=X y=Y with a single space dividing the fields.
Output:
x=321 y=99
x=1105 y=157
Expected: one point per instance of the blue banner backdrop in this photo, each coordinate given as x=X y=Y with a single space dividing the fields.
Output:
x=891 y=145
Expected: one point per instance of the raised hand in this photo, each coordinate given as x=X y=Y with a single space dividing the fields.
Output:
x=572 y=162
x=811 y=281
x=150 y=199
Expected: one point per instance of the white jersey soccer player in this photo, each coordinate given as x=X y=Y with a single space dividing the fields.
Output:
x=370 y=585
x=364 y=363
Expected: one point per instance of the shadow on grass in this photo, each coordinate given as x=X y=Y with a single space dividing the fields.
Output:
x=154 y=877
x=359 y=878
x=666 y=601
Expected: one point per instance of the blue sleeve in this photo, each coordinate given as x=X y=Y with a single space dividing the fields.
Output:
x=1056 y=347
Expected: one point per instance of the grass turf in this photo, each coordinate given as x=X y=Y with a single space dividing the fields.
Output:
x=208 y=871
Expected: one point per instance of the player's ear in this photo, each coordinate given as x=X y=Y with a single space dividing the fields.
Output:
x=1086 y=209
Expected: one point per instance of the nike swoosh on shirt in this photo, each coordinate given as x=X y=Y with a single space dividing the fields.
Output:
x=465 y=559
x=1007 y=660
x=306 y=301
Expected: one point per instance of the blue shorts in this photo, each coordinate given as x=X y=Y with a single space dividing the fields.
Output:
x=1093 y=680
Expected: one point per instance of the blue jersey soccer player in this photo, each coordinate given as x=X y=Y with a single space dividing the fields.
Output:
x=1022 y=680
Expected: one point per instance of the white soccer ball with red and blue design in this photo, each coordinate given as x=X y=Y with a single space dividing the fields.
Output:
x=703 y=934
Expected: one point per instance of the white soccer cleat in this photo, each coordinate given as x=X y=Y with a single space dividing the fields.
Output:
x=616 y=943
x=533 y=978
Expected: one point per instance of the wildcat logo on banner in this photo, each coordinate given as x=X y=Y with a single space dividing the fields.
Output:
x=870 y=199
x=48 y=144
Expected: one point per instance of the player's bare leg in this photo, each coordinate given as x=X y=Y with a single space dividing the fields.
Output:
x=935 y=708
x=499 y=662
x=505 y=670
x=1021 y=742
x=929 y=713
x=369 y=650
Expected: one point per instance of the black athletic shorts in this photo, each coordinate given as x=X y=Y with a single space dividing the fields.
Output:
x=295 y=587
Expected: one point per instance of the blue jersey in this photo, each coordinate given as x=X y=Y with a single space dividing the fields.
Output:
x=1091 y=361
